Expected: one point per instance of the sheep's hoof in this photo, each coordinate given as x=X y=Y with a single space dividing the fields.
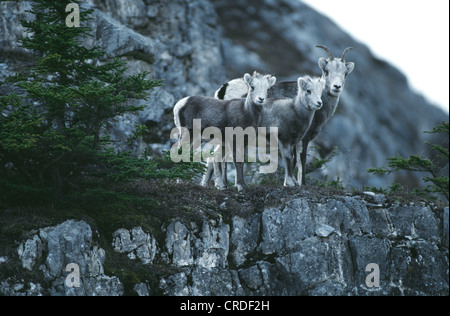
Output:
x=206 y=184
x=220 y=185
x=290 y=183
x=240 y=188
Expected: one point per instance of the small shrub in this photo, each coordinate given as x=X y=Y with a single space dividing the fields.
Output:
x=434 y=169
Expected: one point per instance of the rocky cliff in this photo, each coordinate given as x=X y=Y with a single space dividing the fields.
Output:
x=195 y=46
x=306 y=244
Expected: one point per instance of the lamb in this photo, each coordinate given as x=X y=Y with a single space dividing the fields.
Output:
x=293 y=118
x=226 y=113
x=334 y=71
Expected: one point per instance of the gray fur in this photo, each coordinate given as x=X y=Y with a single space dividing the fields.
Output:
x=335 y=72
x=226 y=113
x=293 y=118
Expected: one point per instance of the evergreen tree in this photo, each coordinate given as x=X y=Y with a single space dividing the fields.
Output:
x=51 y=133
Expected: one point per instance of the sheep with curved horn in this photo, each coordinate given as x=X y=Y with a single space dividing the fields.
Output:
x=334 y=71
x=345 y=53
x=330 y=54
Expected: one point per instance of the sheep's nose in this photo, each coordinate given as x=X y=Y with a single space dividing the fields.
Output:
x=261 y=100
x=336 y=86
x=319 y=103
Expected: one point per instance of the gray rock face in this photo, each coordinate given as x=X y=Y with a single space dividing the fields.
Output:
x=310 y=248
x=303 y=247
x=244 y=237
x=176 y=41
x=136 y=243
x=30 y=251
x=178 y=244
x=64 y=245
x=68 y=243
x=445 y=230
x=12 y=30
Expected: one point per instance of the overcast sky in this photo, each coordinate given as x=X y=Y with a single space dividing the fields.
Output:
x=413 y=35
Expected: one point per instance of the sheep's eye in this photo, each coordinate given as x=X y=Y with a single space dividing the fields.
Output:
x=308 y=91
x=327 y=72
x=253 y=88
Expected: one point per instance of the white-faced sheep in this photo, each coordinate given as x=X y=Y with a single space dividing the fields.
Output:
x=293 y=117
x=226 y=113
x=334 y=72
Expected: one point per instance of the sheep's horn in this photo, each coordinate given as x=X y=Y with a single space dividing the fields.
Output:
x=327 y=50
x=345 y=53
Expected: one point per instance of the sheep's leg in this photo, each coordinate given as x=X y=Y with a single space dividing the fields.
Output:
x=208 y=173
x=224 y=172
x=298 y=152
x=286 y=154
x=293 y=163
x=239 y=178
x=239 y=182
x=210 y=169
x=218 y=181
x=303 y=160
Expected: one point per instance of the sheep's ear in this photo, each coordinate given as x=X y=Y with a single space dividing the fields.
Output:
x=272 y=81
x=350 y=66
x=322 y=63
x=302 y=83
x=247 y=78
x=323 y=82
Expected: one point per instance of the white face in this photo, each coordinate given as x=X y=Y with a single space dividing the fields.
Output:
x=258 y=86
x=311 y=92
x=335 y=72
